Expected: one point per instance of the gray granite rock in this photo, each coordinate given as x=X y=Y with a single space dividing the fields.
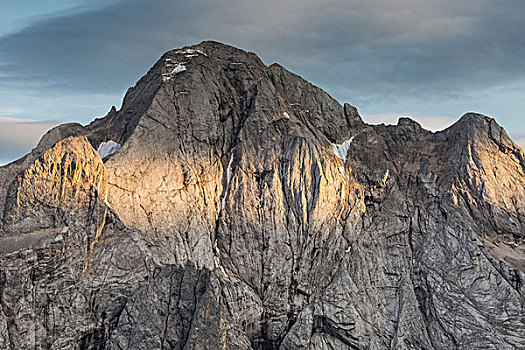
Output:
x=247 y=209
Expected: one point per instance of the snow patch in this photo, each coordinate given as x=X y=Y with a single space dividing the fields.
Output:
x=180 y=68
x=192 y=52
x=108 y=148
x=341 y=150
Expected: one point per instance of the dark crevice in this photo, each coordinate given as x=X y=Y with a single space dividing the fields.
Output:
x=323 y=324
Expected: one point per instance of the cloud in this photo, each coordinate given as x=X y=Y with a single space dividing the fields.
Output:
x=19 y=136
x=362 y=49
x=435 y=57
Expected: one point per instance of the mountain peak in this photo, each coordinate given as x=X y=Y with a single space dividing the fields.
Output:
x=236 y=205
x=481 y=129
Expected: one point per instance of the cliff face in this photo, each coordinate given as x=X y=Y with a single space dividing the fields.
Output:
x=247 y=209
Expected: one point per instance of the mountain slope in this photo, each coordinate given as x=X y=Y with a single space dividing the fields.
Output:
x=247 y=209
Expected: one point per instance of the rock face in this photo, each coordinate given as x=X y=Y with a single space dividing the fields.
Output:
x=247 y=209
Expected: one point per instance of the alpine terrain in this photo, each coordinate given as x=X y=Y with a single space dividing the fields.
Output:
x=233 y=205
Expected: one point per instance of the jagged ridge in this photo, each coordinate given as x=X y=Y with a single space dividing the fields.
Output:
x=230 y=222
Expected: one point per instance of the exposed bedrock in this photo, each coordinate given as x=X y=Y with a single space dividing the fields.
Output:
x=244 y=208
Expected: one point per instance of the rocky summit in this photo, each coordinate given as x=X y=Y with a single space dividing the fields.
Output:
x=233 y=205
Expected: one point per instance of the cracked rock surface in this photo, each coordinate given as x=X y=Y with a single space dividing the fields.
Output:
x=247 y=209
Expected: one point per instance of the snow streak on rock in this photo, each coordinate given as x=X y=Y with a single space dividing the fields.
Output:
x=228 y=179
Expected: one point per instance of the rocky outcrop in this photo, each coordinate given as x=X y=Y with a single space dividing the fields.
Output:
x=64 y=187
x=247 y=209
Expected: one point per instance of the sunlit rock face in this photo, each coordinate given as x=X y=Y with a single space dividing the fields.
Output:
x=63 y=187
x=247 y=209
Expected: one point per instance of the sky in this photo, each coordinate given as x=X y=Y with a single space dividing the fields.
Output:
x=432 y=60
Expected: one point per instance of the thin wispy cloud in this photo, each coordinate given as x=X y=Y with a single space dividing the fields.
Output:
x=19 y=136
x=370 y=47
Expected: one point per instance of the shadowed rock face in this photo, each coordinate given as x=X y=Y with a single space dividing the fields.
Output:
x=247 y=209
